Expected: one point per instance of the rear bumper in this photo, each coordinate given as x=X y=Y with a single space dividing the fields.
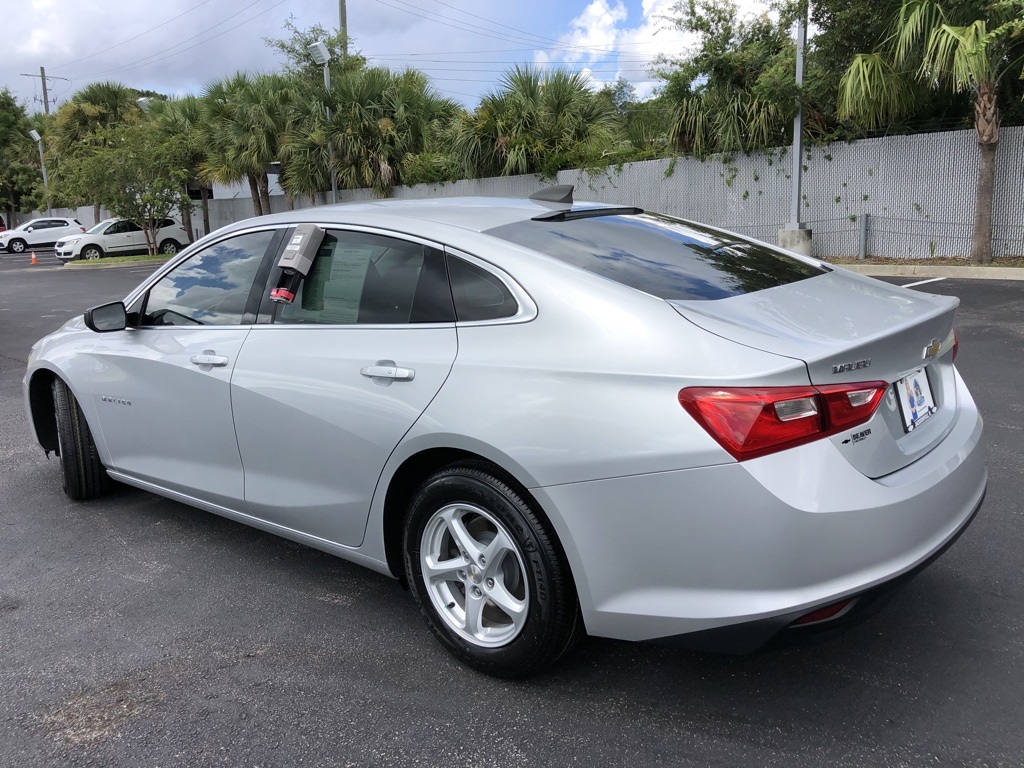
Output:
x=741 y=550
x=781 y=630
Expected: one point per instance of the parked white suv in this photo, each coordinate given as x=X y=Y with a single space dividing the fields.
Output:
x=39 y=233
x=120 y=237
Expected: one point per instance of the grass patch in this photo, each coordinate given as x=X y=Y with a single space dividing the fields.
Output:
x=1001 y=261
x=142 y=258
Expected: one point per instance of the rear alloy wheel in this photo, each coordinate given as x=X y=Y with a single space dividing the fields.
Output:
x=92 y=252
x=490 y=579
x=83 y=472
x=16 y=246
x=169 y=247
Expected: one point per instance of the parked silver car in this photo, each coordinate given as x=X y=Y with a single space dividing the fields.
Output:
x=546 y=417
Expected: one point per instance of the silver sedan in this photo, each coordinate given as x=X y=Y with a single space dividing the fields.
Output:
x=547 y=418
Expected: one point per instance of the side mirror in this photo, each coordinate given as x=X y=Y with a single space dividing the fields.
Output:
x=30 y=229
x=106 y=318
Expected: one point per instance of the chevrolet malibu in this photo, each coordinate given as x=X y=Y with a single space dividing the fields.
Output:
x=547 y=418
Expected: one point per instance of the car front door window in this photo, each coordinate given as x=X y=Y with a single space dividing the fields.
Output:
x=210 y=288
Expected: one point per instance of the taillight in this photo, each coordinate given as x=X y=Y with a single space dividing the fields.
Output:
x=753 y=421
x=956 y=344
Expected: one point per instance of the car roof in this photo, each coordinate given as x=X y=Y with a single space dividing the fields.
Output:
x=477 y=214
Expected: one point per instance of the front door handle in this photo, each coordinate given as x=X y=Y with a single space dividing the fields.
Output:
x=208 y=358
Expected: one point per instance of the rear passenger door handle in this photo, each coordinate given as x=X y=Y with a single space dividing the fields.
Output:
x=206 y=358
x=391 y=372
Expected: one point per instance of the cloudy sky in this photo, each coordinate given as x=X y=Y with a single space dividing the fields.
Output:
x=178 y=46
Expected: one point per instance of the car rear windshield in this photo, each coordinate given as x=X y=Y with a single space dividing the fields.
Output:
x=659 y=255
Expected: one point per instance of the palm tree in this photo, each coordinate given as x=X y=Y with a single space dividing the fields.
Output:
x=182 y=117
x=243 y=121
x=381 y=117
x=535 y=122
x=729 y=120
x=966 y=57
x=83 y=120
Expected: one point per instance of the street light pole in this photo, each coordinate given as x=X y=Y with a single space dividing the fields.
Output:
x=42 y=164
x=321 y=55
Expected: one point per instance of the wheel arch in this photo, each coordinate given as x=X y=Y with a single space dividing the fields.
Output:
x=41 y=408
x=410 y=475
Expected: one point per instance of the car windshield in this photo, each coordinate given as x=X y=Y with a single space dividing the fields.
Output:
x=100 y=227
x=665 y=257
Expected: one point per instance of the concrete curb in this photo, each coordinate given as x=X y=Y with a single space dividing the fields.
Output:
x=925 y=271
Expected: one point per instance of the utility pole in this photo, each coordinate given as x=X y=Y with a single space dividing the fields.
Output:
x=343 y=17
x=795 y=236
x=42 y=77
x=46 y=99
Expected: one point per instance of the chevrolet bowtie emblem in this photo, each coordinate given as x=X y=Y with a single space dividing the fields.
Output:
x=932 y=350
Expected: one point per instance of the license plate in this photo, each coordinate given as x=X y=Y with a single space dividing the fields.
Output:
x=915 y=398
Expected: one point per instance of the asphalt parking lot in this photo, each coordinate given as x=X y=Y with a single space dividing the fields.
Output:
x=138 y=631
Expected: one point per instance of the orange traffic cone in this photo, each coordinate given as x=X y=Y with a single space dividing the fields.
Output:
x=34 y=259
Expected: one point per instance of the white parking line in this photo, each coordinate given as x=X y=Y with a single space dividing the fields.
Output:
x=922 y=282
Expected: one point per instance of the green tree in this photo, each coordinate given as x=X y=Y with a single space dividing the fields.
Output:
x=139 y=173
x=298 y=59
x=79 y=127
x=535 y=122
x=19 y=160
x=934 y=47
x=735 y=90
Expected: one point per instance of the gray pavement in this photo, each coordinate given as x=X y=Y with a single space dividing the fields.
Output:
x=137 y=631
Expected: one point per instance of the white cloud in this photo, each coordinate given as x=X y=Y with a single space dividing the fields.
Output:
x=613 y=47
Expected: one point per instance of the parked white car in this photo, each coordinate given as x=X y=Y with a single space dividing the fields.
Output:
x=120 y=237
x=39 y=233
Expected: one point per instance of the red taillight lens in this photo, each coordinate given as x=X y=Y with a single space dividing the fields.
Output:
x=753 y=421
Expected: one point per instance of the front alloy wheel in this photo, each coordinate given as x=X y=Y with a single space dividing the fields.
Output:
x=489 y=575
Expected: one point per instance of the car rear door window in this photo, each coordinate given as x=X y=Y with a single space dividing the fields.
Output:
x=660 y=255
x=359 y=278
x=210 y=288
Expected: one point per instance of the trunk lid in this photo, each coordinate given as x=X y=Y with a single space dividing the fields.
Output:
x=848 y=328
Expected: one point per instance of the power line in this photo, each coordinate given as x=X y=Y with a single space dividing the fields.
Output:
x=497 y=23
x=153 y=59
x=474 y=29
x=136 y=37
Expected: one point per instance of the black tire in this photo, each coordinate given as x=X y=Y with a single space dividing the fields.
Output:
x=169 y=247
x=552 y=622
x=16 y=246
x=91 y=252
x=82 y=470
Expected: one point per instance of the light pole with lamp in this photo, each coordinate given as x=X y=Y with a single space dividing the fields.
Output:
x=322 y=56
x=46 y=186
